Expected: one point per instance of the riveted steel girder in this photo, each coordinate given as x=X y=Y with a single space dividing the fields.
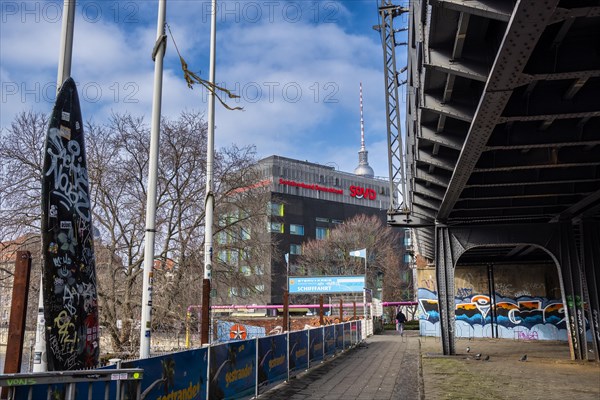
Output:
x=529 y=19
x=490 y=9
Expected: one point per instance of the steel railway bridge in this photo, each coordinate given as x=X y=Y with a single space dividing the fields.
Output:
x=500 y=160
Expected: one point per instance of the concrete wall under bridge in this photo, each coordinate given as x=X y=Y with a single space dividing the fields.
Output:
x=527 y=299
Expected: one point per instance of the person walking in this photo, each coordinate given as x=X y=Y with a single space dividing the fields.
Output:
x=400 y=320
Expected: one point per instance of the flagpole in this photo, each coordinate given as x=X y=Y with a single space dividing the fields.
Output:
x=209 y=202
x=157 y=56
x=66 y=44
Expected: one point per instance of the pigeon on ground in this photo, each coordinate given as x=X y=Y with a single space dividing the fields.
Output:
x=487 y=358
x=478 y=355
x=524 y=358
x=468 y=349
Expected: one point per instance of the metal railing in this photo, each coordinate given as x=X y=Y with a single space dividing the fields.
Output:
x=72 y=381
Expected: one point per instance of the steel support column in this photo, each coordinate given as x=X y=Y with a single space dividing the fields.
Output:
x=570 y=270
x=591 y=266
x=444 y=271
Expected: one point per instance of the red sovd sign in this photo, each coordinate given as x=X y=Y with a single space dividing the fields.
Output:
x=361 y=192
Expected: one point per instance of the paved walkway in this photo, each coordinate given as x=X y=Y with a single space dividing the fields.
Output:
x=384 y=367
x=389 y=366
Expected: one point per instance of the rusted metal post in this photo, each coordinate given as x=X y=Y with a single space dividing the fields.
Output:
x=321 y=322
x=341 y=310
x=18 y=312
x=204 y=337
x=286 y=311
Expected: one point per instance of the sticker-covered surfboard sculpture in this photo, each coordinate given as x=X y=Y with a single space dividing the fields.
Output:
x=69 y=270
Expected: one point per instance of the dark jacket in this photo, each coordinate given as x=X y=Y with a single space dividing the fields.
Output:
x=400 y=317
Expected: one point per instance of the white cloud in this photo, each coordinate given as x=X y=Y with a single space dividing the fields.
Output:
x=298 y=77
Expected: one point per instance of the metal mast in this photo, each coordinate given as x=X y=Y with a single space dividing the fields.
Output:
x=157 y=55
x=388 y=12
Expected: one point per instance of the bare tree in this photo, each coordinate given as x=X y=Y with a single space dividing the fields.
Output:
x=243 y=245
x=117 y=167
x=21 y=148
x=383 y=247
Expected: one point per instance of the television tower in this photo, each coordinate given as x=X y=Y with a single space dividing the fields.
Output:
x=363 y=169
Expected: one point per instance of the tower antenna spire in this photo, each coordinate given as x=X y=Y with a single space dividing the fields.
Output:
x=362 y=122
x=363 y=168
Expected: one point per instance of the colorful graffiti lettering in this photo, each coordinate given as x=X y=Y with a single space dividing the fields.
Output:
x=534 y=318
x=66 y=334
x=531 y=335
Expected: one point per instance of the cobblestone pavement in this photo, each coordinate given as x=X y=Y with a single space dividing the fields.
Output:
x=384 y=367
x=410 y=367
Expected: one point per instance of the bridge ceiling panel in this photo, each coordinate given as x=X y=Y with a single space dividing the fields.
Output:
x=505 y=110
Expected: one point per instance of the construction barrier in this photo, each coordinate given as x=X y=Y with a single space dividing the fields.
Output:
x=238 y=369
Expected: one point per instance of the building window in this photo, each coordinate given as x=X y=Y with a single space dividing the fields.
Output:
x=337 y=221
x=259 y=270
x=276 y=209
x=319 y=219
x=260 y=288
x=296 y=229
x=407 y=258
x=276 y=227
x=233 y=291
x=246 y=271
x=407 y=241
x=322 y=233
x=296 y=249
x=245 y=233
x=222 y=237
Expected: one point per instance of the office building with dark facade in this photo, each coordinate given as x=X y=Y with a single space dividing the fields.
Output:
x=307 y=201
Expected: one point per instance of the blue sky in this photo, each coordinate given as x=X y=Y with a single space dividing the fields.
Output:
x=296 y=65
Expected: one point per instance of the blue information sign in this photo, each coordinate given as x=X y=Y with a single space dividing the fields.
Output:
x=326 y=284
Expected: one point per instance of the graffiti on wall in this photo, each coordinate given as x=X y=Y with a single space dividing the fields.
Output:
x=524 y=317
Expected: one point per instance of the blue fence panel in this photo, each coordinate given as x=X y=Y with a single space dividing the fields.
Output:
x=347 y=339
x=298 y=354
x=329 y=340
x=315 y=349
x=354 y=332
x=272 y=361
x=339 y=337
x=233 y=370
x=175 y=375
x=359 y=330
